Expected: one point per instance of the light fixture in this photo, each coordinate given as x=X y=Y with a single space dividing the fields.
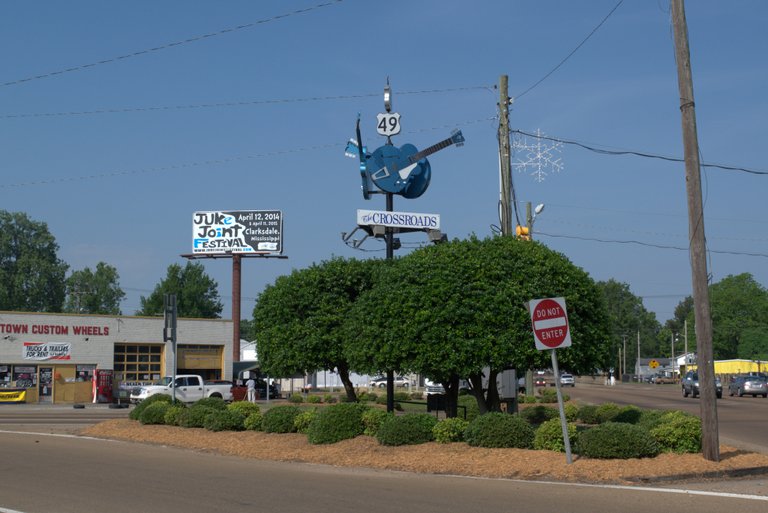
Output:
x=539 y=208
x=387 y=97
x=9 y=337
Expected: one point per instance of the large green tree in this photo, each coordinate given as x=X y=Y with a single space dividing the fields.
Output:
x=31 y=274
x=458 y=310
x=94 y=292
x=298 y=322
x=197 y=294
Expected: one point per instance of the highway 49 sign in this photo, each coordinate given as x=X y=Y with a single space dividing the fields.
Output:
x=549 y=319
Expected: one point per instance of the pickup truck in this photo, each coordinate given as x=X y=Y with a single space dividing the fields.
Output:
x=189 y=388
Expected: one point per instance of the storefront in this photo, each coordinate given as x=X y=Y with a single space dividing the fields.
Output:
x=62 y=358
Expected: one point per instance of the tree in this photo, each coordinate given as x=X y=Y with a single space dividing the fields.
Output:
x=31 y=274
x=94 y=292
x=298 y=321
x=197 y=293
x=458 y=310
x=627 y=317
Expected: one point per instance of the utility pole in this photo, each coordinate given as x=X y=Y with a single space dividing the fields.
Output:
x=505 y=154
x=706 y=366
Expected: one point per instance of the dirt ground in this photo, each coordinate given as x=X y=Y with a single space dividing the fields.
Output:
x=455 y=459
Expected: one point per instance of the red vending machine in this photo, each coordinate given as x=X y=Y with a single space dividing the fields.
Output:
x=102 y=381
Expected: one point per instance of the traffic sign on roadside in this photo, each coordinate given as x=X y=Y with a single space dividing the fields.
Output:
x=549 y=319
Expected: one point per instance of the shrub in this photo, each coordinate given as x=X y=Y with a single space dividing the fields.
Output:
x=402 y=396
x=372 y=419
x=243 y=407
x=678 y=432
x=337 y=422
x=628 y=415
x=329 y=398
x=411 y=429
x=499 y=430
x=548 y=395
x=616 y=440
x=303 y=420
x=314 y=399
x=154 y=413
x=571 y=412
x=136 y=411
x=588 y=414
x=173 y=414
x=280 y=419
x=470 y=403
x=649 y=419
x=527 y=399
x=194 y=416
x=449 y=430
x=224 y=420
x=296 y=399
x=253 y=421
x=549 y=436
x=217 y=403
x=607 y=412
x=367 y=396
x=536 y=415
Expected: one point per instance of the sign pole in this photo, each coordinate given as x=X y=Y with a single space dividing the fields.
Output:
x=563 y=421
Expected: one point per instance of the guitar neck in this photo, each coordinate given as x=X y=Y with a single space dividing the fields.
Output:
x=426 y=152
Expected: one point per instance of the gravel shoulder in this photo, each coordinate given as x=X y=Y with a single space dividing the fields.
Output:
x=454 y=459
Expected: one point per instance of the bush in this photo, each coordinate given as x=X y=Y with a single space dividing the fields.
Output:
x=296 y=399
x=402 y=396
x=329 y=398
x=678 y=432
x=536 y=415
x=628 y=415
x=337 y=422
x=616 y=440
x=607 y=412
x=154 y=413
x=527 y=399
x=243 y=407
x=367 y=396
x=280 y=419
x=217 y=403
x=136 y=411
x=588 y=414
x=314 y=399
x=173 y=414
x=372 y=419
x=470 y=403
x=649 y=419
x=194 y=416
x=224 y=420
x=499 y=430
x=571 y=412
x=303 y=420
x=548 y=395
x=449 y=430
x=549 y=436
x=410 y=429
x=253 y=421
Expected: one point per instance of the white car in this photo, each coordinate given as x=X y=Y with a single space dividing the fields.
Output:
x=381 y=382
x=566 y=380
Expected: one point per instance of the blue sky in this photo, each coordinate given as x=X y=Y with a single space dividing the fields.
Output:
x=257 y=119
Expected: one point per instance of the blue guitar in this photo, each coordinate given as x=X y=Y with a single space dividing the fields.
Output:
x=405 y=170
x=356 y=149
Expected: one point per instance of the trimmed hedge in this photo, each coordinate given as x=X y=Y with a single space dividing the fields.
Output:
x=629 y=415
x=139 y=408
x=473 y=410
x=499 y=430
x=536 y=415
x=254 y=422
x=617 y=440
x=372 y=419
x=410 y=429
x=450 y=430
x=244 y=407
x=154 y=413
x=337 y=422
x=194 y=416
x=549 y=436
x=224 y=420
x=303 y=420
x=280 y=419
x=678 y=432
x=173 y=414
x=217 y=403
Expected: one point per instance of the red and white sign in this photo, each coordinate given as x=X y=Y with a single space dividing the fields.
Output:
x=549 y=319
x=47 y=351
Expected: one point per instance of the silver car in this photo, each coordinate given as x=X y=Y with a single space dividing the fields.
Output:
x=748 y=385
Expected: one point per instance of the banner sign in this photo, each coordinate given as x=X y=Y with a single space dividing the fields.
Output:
x=47 y=351
x=237 y=231
x=13 y=396
x=399 y=219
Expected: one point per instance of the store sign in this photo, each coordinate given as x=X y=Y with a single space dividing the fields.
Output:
x=398 y=219
x=13 y=396
x=237 y=231
x=47 y=351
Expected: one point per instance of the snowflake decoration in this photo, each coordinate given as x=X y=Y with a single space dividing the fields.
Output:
x=540 y=157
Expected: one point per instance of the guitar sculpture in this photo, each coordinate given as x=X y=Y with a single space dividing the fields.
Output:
x=355 y=149
x=405 y=170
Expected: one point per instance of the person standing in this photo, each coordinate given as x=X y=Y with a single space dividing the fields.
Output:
x=251 y=386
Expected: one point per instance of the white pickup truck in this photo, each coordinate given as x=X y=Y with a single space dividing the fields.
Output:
x=189 y=388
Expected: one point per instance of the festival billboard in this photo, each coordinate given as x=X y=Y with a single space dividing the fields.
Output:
x=237 y=231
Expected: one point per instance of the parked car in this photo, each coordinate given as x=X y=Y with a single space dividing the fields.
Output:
x=690 y=385
x=381 y=381
x=661 y=379
x=566 y=380
x=539 y=381
x=432 y=387
x=750 y=385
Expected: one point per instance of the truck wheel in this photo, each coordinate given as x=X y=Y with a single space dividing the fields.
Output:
x=685 y=392
x=216 y=395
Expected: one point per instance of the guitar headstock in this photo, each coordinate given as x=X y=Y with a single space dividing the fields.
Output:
x=351 y=150
x=457 y=138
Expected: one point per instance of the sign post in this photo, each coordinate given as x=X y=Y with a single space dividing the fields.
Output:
x=549 y=319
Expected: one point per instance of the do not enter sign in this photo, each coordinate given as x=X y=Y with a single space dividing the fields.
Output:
x=549 y=319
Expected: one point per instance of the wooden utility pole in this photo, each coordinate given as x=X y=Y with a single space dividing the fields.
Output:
x=710 y=446
x=505 y=155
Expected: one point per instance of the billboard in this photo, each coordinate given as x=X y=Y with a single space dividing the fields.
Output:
x=237 y=231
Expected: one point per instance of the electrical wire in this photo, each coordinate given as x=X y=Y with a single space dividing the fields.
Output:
x=192 y=39
x=637 y=153
x=542 y=79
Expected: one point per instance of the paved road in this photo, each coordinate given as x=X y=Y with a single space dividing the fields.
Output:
x=44 y=473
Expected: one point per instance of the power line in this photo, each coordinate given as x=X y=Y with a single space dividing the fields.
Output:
x=542 y=79
x=192 y=39
x=637 y=153
x=248 y=103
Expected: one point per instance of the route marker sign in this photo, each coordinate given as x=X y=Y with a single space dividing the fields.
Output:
x=549 y=319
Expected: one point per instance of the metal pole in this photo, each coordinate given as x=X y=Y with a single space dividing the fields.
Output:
x=390 y=255
x=236 y=281
x=563 y=421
